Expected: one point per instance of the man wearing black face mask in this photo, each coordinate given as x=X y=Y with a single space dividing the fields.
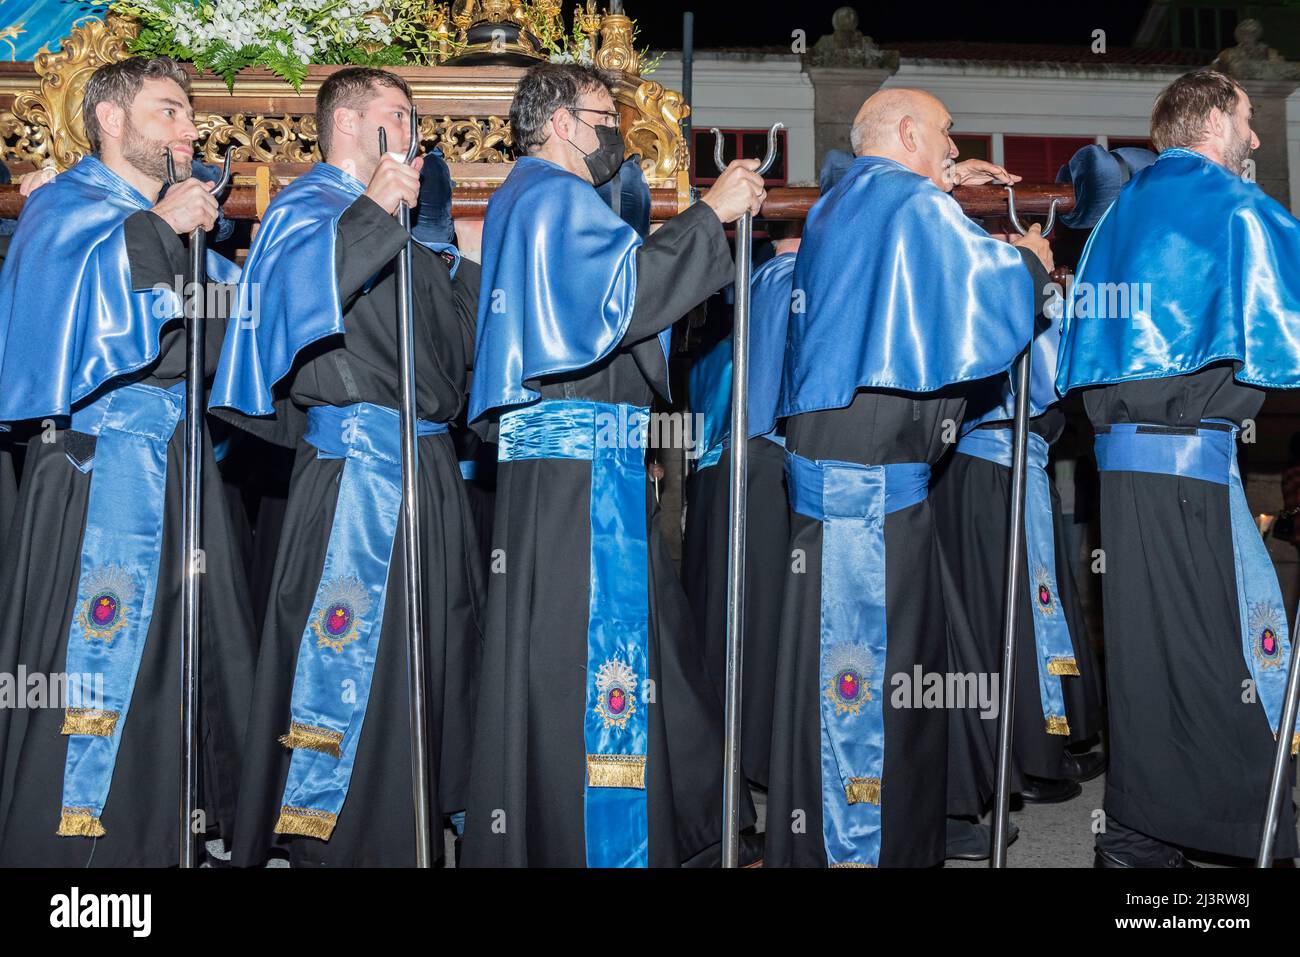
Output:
x=598 y=737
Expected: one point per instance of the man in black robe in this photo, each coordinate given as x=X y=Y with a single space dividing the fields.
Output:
x=576 y=296
x=1173 y=372
x=323 y=603
x=903 y=301
x=107 y=352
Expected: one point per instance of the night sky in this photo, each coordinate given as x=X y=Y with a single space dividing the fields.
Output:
x=732 y=23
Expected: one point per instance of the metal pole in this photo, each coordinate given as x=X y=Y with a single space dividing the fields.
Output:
x=1015 y=570
x=411 y=523
x=192 y=525
x=688 y=70
x=1281 y=757
x=732 y=781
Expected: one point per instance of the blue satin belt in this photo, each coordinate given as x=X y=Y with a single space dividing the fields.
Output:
x=851 y=501
x=120 y=552
x=336 y=657
x=1055 y=651
x=710 y=458
x=1211 y=456
x=615 y=725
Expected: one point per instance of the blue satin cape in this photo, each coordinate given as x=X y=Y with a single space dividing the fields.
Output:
x=288 y=296
x=1207 y=265
x=70 y=319
x=895 y=288
x=558 y=286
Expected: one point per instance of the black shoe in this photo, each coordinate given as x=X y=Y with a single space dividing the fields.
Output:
x=1083 y=767
x=1049 y=791
x=968 y=841
x=1105 y=859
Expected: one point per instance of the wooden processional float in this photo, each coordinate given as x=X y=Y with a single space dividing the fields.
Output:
x=263 y=131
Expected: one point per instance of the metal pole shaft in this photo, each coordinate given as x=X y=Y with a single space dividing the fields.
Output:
x=1015 y=569
x=411 y=521
x=1281 y=758
x=732 y=781
x=192 y=508
x=688 y=70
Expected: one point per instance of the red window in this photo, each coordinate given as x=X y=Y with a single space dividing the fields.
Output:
x=1038 y=158
x=751 y=144
x=973 y=146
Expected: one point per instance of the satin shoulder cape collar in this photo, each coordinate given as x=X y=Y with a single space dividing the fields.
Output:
x=895 y=288
x=1190 y=266
x=70 y=318
x=558 y=286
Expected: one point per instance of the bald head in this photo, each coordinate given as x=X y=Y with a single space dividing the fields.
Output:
x=908 y=126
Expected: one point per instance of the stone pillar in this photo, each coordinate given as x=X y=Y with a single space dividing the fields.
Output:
x=838 y=94
x=1268 y=79
x=845 y=68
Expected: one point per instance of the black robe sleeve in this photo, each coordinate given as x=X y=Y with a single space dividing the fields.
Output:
x=366 y=240
x=464 y=290
x=156 y=254
x=1042 y=291
x=677 y=268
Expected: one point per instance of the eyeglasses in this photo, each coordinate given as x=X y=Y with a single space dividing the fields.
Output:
x=608 y=114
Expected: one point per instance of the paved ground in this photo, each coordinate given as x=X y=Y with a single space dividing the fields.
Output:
x=1051 y=835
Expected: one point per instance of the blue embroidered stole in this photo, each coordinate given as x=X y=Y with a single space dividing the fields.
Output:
x=615 y=725
x=851 y=502
x=336 y=657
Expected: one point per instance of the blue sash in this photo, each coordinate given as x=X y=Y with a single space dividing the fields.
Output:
x=341 y=639
x=120 y=552
x=1055 y=652
x=851 y=501
x=615 y=725
x=1210 y=455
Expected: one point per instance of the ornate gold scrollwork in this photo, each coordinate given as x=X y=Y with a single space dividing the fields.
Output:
x=56 y=108
x=656 y=133
x=617 y=51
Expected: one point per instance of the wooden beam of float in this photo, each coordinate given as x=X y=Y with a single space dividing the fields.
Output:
x=783 y=203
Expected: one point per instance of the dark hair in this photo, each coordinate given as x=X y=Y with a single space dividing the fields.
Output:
x=544 y=89
x=120 y=83
x=1178 y=118
x=352 y=89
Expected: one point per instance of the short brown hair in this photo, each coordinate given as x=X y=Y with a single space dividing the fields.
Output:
x=120 y=83
x=545 y=88
x=352 y=89
x=1182 y=108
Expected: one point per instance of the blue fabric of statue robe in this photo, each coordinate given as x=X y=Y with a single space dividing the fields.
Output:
x=1190 y=266
x=918 y=330
x=70 y=319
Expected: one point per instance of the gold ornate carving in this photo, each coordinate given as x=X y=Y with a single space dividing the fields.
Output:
x=56 y=108
x=656 y=131
x=43 y=125
x=617 y=51
x=292 y=139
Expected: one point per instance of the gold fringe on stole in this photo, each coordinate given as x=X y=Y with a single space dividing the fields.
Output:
x=1295 y=743
x=1058 y=725
x=79 y=822
x=311 y=738
x=306 y=821
x=1063 y=666
x=863 y=791
x=851 y=864
x=616 y=771
x=88 y=721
